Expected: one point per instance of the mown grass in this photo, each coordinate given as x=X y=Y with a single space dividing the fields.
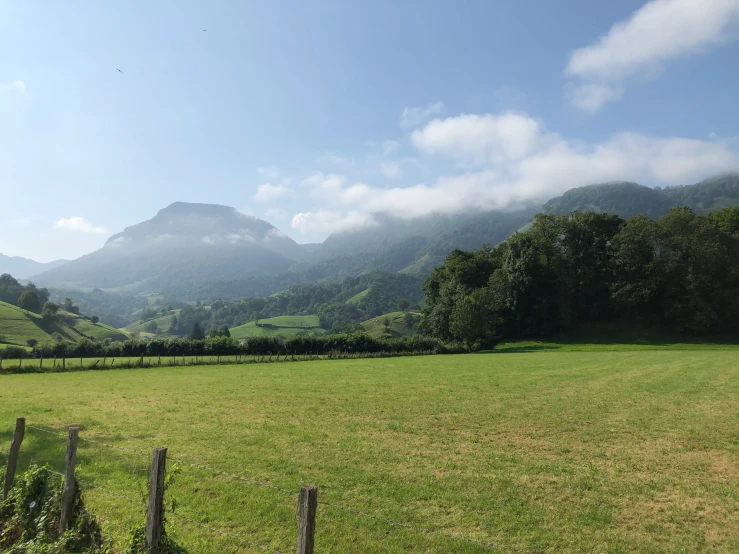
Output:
x=17 y=326
x=284 y=326
x=163 y=324
x=398 y=326
x=543 y=451
x=357 y=298
x=97 y=331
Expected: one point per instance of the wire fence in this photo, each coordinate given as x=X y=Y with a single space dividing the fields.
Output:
x=261 y=484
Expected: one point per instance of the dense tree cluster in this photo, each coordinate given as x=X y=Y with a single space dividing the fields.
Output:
x=29 y=297
x=680 y=272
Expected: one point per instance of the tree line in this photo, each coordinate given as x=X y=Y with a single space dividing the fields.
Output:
x=680 y=273
x=226 y=346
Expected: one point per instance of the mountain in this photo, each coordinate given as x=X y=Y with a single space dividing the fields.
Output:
x=629 y=199
x=182 y=243
x=206 y=252
x=22 y=268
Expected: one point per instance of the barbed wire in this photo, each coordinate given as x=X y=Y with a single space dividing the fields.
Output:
x=408 y=526
x=235 y=476
x=225 y=534
x=248 y=480
x=89 y=485
x=91 y=441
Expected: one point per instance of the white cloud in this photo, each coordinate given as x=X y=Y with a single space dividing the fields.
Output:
x=327 y=221
x=116 y=242
x=479 y=139
x=412 y=117
x=78 y=224
x=324 y=186
x=270 y=172
x=514 y=160
x=659 y=32
x=390 y=169
x=16 y=86
x=269 y=192
x=390 y=147
x=591 y=97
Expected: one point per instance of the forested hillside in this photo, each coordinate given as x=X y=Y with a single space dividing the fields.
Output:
x=680 y=272
x=337 y=305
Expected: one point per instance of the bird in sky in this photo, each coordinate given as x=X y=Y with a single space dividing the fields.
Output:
x=119 y=70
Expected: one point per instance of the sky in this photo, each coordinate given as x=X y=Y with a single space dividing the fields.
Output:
x=316 y=115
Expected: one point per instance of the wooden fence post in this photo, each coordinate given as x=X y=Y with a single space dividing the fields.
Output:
x=156 y=500
x=15 y=448
x=68 y=493
x=307 y=504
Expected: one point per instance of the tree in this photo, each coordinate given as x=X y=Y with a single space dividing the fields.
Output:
x=410 y=321
x=151 y=327
x=32 y=343
x=197 y=332
x=70 y=307
x=403 y=304
x=257 y=317
x=386 y=322
x=95 y=319
x=29 y=301
x=49 y=311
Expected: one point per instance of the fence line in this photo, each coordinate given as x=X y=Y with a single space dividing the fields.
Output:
x=91 y=441
x=248 y=480
x=394 y=523
x=89 y=485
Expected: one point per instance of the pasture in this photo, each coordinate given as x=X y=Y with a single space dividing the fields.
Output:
x=398 y=326
x=623 y=451
x=284 y=326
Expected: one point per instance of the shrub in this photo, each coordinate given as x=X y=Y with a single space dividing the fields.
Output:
x=29 y=518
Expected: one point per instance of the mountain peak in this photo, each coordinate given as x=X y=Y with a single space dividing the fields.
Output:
x=211 y=210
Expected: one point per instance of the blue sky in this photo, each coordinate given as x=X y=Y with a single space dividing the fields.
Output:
x=315 y=115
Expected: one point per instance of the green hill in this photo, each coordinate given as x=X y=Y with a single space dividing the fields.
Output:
x=163 y=324
x=357 y=298
x=17 y=326
x=401 y=324
x=284 y=326
x=97 y=331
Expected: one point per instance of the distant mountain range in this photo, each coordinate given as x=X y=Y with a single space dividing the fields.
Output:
x=203 y=251
x=22 y=268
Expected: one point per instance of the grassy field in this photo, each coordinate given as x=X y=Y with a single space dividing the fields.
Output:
x=542 y=451
x=398 y=326
x=163 y=324
x=284 y=326
x=18 y=326
x=357 y=298
x=98 y=331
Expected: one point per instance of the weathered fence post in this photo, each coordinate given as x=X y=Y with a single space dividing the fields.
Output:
x=68 y=493
x=307 y=504
x=15 y=448
x=156 y=500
